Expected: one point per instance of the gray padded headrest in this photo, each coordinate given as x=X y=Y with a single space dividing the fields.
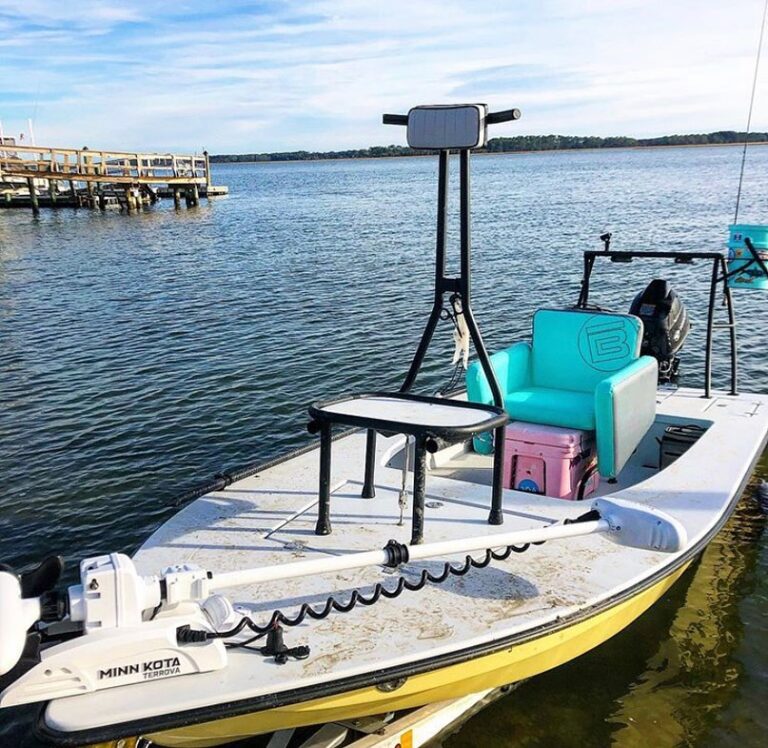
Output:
x=451 y=126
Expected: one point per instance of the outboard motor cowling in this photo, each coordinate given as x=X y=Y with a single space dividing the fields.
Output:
x=666 y=325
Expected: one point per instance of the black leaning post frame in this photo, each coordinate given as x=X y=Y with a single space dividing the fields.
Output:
x=428 y=437
x=461 y=285
x=720 y=274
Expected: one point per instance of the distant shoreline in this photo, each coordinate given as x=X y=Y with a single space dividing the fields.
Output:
x=498 y=147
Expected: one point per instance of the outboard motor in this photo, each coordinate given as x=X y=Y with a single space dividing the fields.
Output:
x=666 y=324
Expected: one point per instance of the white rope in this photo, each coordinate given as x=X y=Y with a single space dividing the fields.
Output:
x=461 y=333
x=402 y=497
x=749 y=116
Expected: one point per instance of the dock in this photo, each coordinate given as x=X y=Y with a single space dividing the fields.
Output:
x=37 y=176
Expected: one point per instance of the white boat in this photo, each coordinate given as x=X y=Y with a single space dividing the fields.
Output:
x=320 y=588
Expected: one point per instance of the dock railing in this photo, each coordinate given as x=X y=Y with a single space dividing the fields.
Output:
x=115 y=167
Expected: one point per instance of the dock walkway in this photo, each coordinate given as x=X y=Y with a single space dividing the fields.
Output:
x=97 y=178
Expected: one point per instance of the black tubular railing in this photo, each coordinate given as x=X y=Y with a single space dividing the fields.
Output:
x=720 y=275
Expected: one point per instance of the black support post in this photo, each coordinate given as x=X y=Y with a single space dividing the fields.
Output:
x=589 y=261
x=728 y=297
x=33 y=196
x=370 y=465
x=440 y=280
x=419 y=490
x=323 y=526
x=496 y=516
x=710 y=323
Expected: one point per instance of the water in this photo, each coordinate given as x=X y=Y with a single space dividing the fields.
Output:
x=139 y=355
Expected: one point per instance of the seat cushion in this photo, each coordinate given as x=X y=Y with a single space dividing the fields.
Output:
x=552 y=407
x=574 y=349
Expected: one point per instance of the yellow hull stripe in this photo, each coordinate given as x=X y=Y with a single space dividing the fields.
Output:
x=505 y=666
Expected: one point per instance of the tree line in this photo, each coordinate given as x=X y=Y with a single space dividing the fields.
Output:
x=518 y=144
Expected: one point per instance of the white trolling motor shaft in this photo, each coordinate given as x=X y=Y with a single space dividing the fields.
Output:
x=124 y=640
x=624 y=522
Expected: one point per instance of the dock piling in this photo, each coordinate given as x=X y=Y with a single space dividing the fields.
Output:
x=192 y=196
x=33 y=196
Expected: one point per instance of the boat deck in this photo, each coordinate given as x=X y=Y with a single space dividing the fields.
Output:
x=269 y=518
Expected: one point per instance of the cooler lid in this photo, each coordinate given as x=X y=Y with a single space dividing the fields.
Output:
x=551 y=436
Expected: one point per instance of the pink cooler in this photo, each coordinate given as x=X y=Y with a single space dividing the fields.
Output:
x=549 y=460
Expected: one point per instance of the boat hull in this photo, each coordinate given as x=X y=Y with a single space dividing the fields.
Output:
x=515 y=619
x=508 y=665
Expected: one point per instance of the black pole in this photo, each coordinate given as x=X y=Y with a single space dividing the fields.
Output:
x=370 y=465
x=465 y=229
x=437 y=306
x=589 y=261
x=731 y=328
x=465 y=283
x=496 y=516
x=419 y=489
x=421 y=351
x=710 y=322
x=323 y=526
x=442 y=222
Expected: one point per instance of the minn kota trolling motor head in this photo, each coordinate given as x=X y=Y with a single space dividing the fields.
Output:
x=101 y=632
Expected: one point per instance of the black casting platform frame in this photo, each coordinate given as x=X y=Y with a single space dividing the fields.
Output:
x=460 y=285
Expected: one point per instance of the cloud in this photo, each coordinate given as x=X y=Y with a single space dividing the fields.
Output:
x=316 y=74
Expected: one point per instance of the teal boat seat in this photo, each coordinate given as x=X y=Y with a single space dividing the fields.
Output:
x=582 y=370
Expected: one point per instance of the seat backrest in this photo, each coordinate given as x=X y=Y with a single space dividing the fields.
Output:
x=478 y=388
x=574 y=349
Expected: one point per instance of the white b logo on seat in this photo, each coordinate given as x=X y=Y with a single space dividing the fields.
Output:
x=603 y=343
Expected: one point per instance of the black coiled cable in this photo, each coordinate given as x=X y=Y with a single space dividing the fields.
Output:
x=186 y=635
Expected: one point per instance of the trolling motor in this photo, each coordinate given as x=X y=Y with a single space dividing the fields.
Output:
x=124 y=628
x=665 y=326
x=105 y=627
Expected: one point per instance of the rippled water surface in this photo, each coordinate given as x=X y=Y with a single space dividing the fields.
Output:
x=141 y=354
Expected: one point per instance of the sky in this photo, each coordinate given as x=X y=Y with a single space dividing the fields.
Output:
x=244 y=77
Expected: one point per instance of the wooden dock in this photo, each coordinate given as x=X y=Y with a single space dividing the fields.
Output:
x=31 y=176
